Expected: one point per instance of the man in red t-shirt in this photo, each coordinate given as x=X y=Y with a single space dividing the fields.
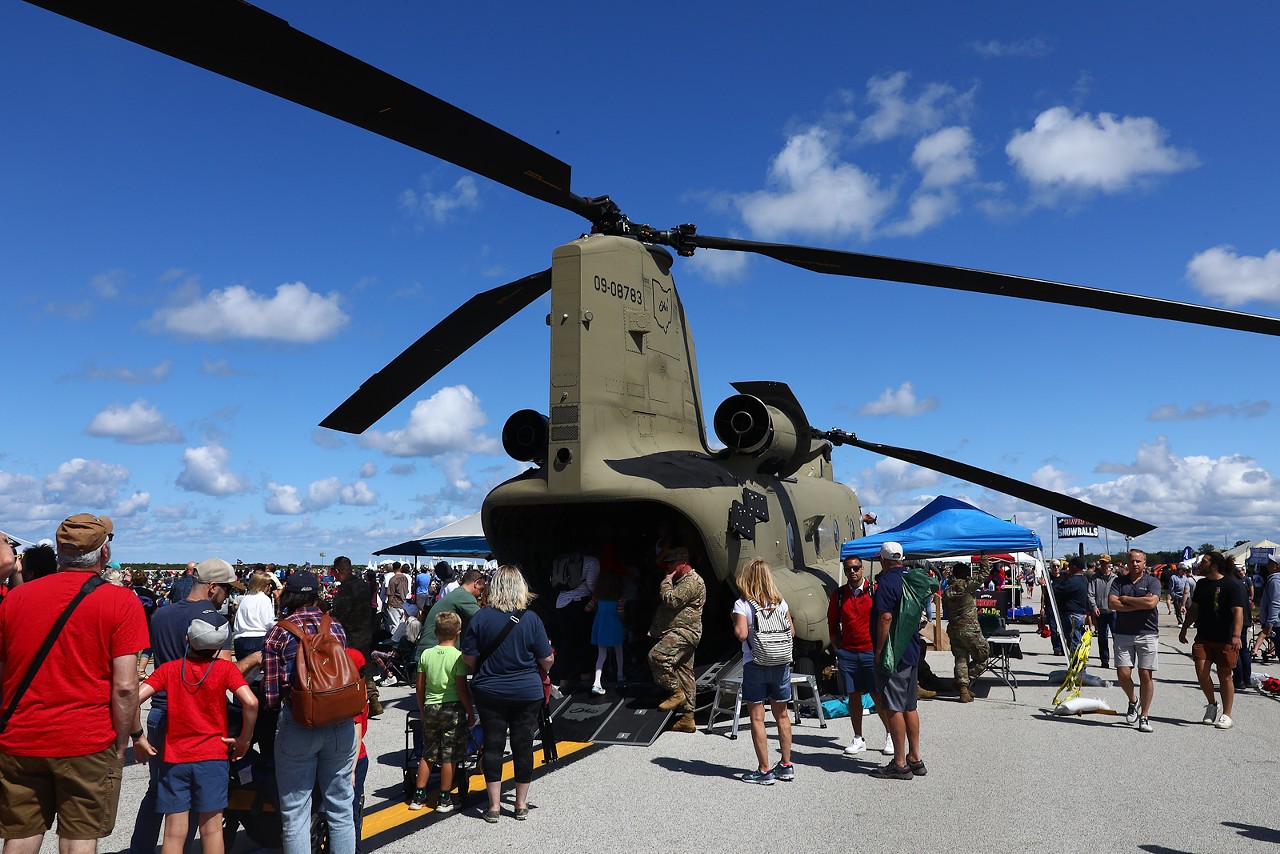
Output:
x=195 y=773
x=849 y=622
x=69 y=731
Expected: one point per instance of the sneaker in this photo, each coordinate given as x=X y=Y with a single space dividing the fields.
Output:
x=596 y=689
x=1224 y=722
x=1210 y=714
x=887 y=750
x=892 y=772
x=1131 y=714
x=419 y=799
x=446 y=805
x=1144 y=724
x=856 y=746
x=785 y=773
x=762 y=778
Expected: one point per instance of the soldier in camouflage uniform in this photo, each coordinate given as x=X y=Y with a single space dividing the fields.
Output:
x=967 y=643
x=677 y=625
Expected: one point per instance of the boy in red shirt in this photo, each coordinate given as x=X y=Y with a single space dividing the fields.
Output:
x=196 y=769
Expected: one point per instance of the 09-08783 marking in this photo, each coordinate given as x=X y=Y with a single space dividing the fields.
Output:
x=626 y=293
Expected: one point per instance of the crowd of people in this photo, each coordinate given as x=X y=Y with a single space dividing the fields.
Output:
x=89 y=643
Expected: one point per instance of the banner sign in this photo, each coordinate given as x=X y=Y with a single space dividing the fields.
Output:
x=1258 y=556
x=1071 y=528
x=1187 y=554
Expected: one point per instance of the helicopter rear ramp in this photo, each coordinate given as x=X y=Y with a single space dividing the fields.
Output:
x=609 y=718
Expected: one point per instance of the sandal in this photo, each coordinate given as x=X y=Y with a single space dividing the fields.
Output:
x=492 y=816
x=522 y=813
x=917 y=768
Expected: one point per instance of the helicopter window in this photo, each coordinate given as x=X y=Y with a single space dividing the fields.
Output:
x=836 y=524
x=791 y=541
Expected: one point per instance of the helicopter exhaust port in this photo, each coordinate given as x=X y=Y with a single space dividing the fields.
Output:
x=747 y=425
x=525 y=436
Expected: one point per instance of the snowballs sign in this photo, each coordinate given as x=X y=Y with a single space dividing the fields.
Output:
x=1071 y=528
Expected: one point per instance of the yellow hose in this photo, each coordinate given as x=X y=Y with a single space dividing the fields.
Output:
x=1079 y=658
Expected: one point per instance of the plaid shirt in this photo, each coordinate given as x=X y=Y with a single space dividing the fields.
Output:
x=280 y=649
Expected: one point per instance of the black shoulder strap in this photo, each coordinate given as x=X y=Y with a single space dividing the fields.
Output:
x=92 y=584
x=497 y=642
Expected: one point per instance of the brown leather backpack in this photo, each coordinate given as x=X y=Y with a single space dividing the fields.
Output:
x=326 y=686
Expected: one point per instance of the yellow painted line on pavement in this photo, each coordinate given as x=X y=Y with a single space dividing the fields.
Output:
x=397 y=813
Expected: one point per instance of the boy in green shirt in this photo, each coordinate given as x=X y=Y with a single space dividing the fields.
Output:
x=442 y=699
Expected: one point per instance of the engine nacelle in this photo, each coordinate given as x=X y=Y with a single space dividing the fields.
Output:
x=525 y=436
x=747 y=425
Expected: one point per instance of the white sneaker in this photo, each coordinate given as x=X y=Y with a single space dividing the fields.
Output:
x=1210 y=714
x=856 y=746
x=596 y=689
x=887 y=750
x=1224 y=722
x=1131 y=714
x=1144 y=724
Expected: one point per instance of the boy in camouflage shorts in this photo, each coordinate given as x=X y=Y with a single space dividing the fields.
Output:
x=443 y=699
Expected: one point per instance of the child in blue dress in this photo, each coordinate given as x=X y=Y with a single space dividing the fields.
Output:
x=607 y=629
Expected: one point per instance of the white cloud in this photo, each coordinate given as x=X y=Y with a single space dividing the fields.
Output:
x=895 y=113
x=1019 y=47
x=812 y=192
x=447 y=421
x=719 y=265
x=157 y=373
x=92 y=483
x=1109 y=154
x=1205 y=409
x=107 y=283
x=139 y=423
x=131 y=506
x=439 y=206
x=368 y=468
x=1048 y=477
x=217 y=367
x=205 y=469
x=285 y=500
x=901 y=401
x=1223 y=274
x=358 y=494
x=945 y=158
x=295 y=314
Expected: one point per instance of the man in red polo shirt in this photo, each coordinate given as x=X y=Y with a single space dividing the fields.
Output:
x=849 y=622
x=61 y=753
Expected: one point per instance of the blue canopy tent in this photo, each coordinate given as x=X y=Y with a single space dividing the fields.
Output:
x=947 y=526
x=463 y=538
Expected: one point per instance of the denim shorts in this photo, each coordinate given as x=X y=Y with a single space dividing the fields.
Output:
x=858 y=670
x=766 y=683
x=199 y=786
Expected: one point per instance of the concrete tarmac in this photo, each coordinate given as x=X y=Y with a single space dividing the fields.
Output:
x=1003 y=776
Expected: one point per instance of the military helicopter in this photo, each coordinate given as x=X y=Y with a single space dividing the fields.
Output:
x=621 y=456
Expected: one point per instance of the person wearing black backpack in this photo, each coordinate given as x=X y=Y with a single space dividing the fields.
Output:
x=762 y=621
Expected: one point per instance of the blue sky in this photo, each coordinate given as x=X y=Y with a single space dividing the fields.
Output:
x=195 y=273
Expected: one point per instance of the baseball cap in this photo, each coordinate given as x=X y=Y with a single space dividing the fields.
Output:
x=215 y=570
x=82 y=533
x=891 y=551
x=207 y=633
x=678 y=555
x=302 y=581
x=1102 y=558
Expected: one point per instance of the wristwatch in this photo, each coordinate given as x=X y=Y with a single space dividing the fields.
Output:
x=134 y=736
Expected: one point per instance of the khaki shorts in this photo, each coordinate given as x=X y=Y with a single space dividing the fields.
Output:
x=81 y=791
x=1139 y=648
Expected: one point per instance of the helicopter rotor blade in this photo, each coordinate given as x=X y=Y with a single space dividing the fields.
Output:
x=430 y=354
x=245 y=43
x=857 y=264
x=1000 y=483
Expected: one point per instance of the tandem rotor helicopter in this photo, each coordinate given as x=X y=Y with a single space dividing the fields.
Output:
x=622 y=449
